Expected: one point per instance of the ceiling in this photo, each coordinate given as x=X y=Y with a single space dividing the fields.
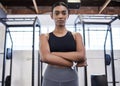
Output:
x=44 y=6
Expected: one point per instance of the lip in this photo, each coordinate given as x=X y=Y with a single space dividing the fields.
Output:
x=60 y=20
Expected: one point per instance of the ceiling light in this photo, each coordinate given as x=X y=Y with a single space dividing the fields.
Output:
x=74 y=4
x=74 y=1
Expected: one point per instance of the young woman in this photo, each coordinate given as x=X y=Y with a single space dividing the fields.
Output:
x=60 y=49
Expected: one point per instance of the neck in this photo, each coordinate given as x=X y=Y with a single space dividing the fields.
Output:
x=60 y=30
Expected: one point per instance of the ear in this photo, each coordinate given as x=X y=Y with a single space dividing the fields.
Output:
x=68 y=15
x=51 y=14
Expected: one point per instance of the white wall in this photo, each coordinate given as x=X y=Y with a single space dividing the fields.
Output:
x=95 y=61
x=22 y=68
x=21 y=72
x=96 y=66
x=117 y=68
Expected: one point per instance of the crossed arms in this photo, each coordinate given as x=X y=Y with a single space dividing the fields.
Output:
x=64 y=59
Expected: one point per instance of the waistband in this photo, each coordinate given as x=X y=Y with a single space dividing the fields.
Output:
x=60 y=74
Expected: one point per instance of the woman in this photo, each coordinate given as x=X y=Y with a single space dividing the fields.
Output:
x=60 y=49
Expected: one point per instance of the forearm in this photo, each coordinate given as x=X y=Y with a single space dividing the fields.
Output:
x=72 y=56
x=56 y=60
x=82 y=64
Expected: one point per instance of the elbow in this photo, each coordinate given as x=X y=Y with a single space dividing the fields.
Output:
x=82 y=58
x=43 y=58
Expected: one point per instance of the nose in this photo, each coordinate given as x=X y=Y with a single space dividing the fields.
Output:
x=60 y=15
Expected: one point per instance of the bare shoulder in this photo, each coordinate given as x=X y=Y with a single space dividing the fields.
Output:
x=46 y=36
x=76 y=35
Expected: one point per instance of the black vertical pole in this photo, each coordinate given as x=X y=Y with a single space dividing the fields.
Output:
x=112 y=57
x=39 y=63
x=11 y=56
x=33 y=52
x=41 y=67
x=105 y=51
x=85 y=68
x=75 y=27
x=4 y=59
x=38 y=69
x=76 y=68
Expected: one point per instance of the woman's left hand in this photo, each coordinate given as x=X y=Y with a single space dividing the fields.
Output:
x=82 y=64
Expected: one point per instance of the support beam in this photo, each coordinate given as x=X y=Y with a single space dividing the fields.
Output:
x=82 y=10
x=2 y=7
x=35 y=6
x=104 y=6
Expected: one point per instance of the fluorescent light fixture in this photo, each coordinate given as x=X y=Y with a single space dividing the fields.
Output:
x=74 y=1
x=74 y=4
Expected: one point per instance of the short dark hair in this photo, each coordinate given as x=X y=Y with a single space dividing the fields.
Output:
x=59 y=3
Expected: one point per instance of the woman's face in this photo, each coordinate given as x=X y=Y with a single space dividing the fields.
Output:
x=60 y=15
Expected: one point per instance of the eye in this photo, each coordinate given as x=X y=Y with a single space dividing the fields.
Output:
x=57 y=13
x=64 y=12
